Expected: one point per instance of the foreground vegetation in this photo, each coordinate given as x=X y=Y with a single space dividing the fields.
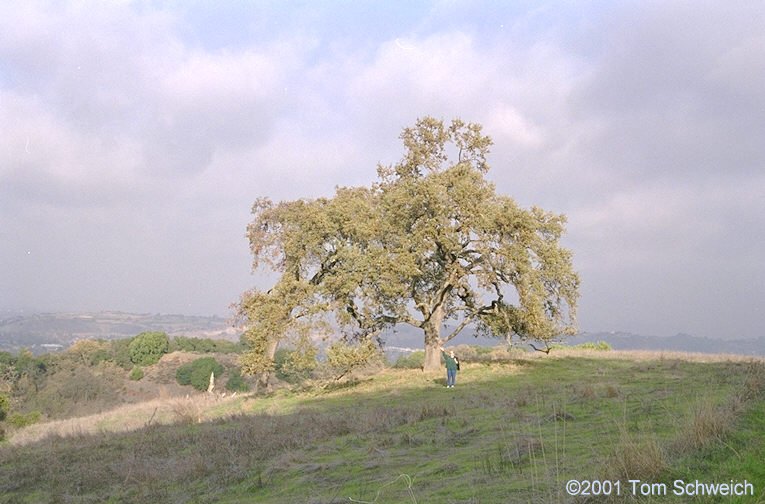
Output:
x=93 y=376
x=514 y=430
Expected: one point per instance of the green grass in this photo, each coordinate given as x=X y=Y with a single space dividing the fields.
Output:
x=512 y=431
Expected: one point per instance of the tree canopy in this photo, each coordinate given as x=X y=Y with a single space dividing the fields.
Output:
x=148 y=347
x=431 y=241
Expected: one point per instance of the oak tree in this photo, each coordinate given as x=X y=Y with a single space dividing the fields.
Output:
x=430 y=242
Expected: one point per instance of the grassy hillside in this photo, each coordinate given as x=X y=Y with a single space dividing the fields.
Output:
x=511 y=431
x=94 y=376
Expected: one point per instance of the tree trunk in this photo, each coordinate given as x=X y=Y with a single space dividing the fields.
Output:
x=265 y=377
x=432 y=328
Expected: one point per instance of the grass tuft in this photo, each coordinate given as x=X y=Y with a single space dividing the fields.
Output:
x=707 y=423
x=187 y=411
x=637 y=457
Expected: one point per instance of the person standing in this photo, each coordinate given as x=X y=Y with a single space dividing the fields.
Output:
x=451 y=367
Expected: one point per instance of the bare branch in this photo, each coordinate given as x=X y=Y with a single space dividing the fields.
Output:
x=545 y=350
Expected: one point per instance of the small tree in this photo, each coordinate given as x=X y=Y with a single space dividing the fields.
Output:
x=148 y=347
x=84 y=351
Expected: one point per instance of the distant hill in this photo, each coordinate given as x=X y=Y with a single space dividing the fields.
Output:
x=45 y=332
x=680 y=342
x=407 y=337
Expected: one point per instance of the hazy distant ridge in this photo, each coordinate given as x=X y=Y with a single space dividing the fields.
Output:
x=406 y=336
x=680 y=342
x=35 y=331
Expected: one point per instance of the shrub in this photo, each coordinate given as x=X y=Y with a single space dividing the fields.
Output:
x=477 y=353
x=148 y=347
x=236 y=383
x=28 y=365
x=197 y=373
x=414 y=360
x=203 y=345
x=19 y=420
x=120 y=352
x=187 y=344
x=136 y=374
x=99 y=356
x=5 y=406
x=600 y=345
x=183 y=375
x=200 y=375
x=6 y=357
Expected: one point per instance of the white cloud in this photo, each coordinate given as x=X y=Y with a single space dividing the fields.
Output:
x=508 y=124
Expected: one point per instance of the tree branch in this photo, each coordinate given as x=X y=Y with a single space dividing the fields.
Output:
x=545 y=350
x=468 y=319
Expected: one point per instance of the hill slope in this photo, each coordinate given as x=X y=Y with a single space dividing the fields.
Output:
x=511 y=431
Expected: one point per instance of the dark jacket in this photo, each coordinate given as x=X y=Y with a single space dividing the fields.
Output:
x=450 y=363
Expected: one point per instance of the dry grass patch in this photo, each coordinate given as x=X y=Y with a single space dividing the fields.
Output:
x=646 y=355
x=585 y=391
x=126 y=418
x=754 y=383
x=637 y=457
x=187 y=411
x=708 y=423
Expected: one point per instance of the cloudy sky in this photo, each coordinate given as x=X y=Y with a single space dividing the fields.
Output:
x=135 y=136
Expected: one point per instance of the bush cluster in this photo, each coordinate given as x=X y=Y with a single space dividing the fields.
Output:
x=89 y=375
x=236 y=383
x=16 y=420
x=600 y=345
x=20 y=420
x=413 y=360
x=197 y=373
x=204 y=345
